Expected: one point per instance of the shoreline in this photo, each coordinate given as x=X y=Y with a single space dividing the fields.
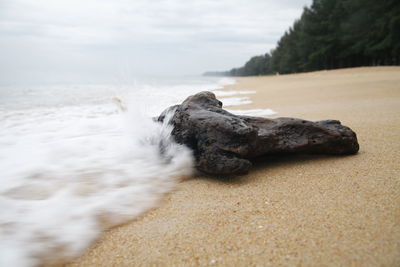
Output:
x=298 y=210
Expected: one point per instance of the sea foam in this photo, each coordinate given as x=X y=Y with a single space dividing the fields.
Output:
x=69 y=173
x=72 y=164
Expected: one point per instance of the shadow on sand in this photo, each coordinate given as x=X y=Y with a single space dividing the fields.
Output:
x=263 y=164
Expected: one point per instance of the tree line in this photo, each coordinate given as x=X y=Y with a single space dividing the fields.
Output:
x=333 y=34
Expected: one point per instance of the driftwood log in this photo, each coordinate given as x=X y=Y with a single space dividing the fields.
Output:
x=224 y=143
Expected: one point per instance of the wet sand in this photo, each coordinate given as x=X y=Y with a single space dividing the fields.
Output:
x=300 y=210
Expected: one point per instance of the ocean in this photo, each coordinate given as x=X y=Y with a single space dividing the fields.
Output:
x=74 y=163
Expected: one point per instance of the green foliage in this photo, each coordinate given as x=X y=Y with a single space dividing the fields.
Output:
x=334 y=34
x=255 y=66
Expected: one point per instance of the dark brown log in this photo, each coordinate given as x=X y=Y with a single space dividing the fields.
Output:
x=224 y=143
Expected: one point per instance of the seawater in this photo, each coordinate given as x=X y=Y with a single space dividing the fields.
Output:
x=72 y=164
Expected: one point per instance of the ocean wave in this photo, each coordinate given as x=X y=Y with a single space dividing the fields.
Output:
x=69 y=173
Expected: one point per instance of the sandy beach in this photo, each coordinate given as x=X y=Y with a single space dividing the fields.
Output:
x=300 y=210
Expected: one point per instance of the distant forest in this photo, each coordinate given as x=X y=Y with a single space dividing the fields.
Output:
x=333 y=34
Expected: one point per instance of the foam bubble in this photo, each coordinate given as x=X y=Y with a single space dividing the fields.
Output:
x=235 y=101
x=253 y=112
x=224 y=81
x=220 y=93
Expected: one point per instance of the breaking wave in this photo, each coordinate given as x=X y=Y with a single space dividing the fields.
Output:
x=68 y=173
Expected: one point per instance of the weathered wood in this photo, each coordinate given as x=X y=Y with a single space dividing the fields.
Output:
x=224 y=143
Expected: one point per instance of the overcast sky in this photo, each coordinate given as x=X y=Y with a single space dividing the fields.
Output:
x=101 y=41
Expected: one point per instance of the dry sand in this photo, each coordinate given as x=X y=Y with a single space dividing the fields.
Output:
x=320 y=211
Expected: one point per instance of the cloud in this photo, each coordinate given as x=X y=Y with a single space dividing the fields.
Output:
x=41 y=39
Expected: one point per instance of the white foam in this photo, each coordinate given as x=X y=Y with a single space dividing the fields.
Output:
x=220 y=93
x=68 y=173
x=235 y=101
x=73 y=165
x=224 y=81
x=253 y=112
